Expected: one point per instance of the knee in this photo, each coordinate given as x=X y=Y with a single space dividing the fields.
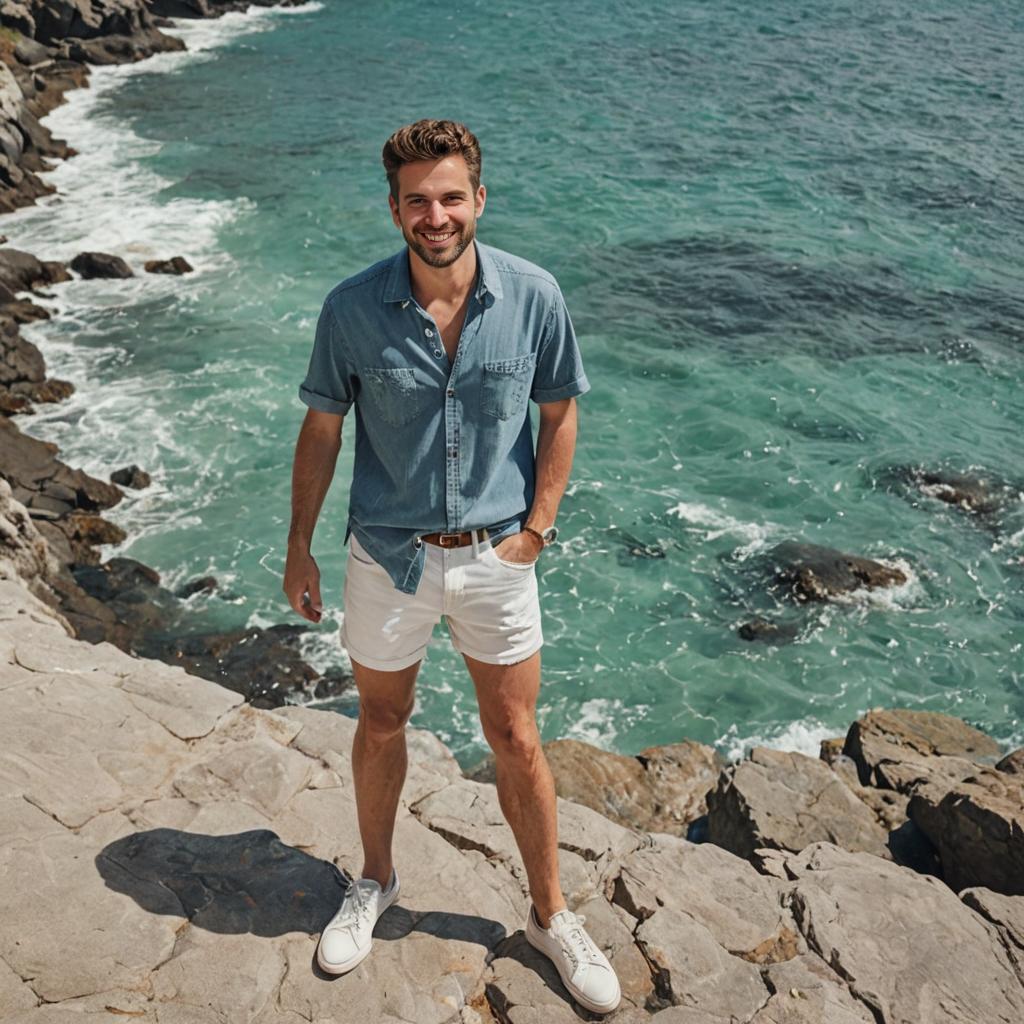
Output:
x=514 y=741
x=382 y=721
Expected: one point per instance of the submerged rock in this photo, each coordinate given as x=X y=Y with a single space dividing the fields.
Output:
x=811 y=572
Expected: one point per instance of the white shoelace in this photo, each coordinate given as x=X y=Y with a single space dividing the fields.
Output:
x=356 y=908
x=578 y=944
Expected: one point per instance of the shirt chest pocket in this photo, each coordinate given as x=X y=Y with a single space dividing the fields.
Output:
x=506 y=386
x=395 y=393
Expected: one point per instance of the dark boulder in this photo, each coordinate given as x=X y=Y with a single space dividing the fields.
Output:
x=100 y=264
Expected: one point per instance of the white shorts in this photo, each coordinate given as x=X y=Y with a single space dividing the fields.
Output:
x=491 y=607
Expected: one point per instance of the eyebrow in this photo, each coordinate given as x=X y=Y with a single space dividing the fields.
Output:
x=453 y=192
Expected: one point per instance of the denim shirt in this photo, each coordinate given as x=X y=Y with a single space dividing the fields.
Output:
x=441 y=445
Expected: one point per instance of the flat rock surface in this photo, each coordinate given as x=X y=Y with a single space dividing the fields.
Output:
x=190 y=847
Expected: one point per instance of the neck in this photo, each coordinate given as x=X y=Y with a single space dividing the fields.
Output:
x=447 y=284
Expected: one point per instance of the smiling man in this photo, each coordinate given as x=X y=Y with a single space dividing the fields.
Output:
x=439 y=349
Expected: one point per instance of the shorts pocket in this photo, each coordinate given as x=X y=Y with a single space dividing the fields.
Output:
x=518 y=566
x=506 y=386
x=395 y=393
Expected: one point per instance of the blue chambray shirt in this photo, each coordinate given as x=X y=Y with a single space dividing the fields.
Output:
x=441 y=445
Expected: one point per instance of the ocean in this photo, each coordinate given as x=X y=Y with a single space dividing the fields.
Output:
x=790 y=238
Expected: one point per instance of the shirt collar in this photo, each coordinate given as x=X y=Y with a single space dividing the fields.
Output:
x=399 y=286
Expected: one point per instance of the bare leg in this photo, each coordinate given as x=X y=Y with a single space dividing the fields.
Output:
x=379 y=760
x=507 y=696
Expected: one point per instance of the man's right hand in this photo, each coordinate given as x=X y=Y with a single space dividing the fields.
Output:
x=302 y=584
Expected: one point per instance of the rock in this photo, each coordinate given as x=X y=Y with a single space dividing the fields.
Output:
x=131 y=476
x=661 y=789
x=175 y=265
x=876 y=924
x=20 y=271
x=123 y=49
x=200 y=585
x=902 y=748
x=831 y=749
x=30 y=53
x=810 y=572
x=1006 y=913
x=787 y=801
x=977 y=827
x=100 y=264
x=1013 y=763
x=966 y=491
x=769 y=632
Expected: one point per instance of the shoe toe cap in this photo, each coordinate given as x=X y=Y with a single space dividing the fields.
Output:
x=601 y=986
x=337 y=946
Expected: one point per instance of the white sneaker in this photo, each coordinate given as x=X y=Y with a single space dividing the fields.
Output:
x=583 y=968
x=347 y=939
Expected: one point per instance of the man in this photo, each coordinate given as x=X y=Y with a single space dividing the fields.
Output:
x=439 y=349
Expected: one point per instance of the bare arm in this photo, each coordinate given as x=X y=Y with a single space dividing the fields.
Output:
x=556 y=444
x=316 y=454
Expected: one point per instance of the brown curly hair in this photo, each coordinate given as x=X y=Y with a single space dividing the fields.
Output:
x=430 y=139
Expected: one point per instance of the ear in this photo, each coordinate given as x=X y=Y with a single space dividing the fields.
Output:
x=481 y=200
x=394 y=211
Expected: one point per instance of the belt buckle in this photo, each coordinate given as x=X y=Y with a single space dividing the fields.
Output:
x=448 y=540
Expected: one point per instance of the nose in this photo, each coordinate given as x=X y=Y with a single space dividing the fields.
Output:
x=436 y=216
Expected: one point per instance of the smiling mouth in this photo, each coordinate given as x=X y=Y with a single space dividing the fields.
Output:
x=438 y=237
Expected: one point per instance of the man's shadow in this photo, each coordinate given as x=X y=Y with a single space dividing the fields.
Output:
x=253 y=882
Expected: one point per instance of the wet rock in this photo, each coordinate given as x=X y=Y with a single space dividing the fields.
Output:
x=100 y=264
x=787 y=801
x=131 y=476
x=811 y=572
x=264 y=665
x=973 y=493
x=977 y=827
x=175 y=265
x=21 y=271
x=769 y=632
x=1013 y=763
x=201 y=585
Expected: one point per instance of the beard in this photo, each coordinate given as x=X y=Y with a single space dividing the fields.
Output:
x=457 y=245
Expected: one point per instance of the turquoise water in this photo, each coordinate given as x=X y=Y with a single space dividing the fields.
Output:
x=790 y=240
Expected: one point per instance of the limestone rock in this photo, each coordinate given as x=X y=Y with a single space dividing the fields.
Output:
x=902 y=748
x=788 y=801
x=875 y=923
x=977 y=826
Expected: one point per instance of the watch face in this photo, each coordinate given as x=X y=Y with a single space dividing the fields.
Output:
x=550 y=534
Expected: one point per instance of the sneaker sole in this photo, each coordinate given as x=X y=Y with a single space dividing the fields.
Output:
x=348 y=965
x=589 y=1004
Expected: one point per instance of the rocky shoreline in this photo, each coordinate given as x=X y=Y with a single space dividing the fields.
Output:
x=176 y=830
x=46 y=48
x=171 y=853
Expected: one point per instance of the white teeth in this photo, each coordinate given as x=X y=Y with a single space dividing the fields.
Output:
x=439 y=238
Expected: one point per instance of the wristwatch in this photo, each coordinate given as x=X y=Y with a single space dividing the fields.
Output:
x=546 y=537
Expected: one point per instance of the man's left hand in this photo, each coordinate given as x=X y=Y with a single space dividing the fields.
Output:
x=519 y=547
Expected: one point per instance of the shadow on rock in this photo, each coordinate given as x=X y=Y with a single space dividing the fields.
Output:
x=252 y=882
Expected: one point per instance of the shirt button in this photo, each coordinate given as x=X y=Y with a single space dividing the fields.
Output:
x=451 y=392
x=429 y=333
x=438 y=352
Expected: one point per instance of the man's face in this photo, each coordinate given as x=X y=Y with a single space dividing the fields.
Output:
x=437 y=208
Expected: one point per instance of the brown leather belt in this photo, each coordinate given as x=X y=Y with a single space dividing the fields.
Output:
x=453 y=540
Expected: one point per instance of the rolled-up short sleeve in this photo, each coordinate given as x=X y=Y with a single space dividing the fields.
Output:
x=328 y=383
x=559 y=372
